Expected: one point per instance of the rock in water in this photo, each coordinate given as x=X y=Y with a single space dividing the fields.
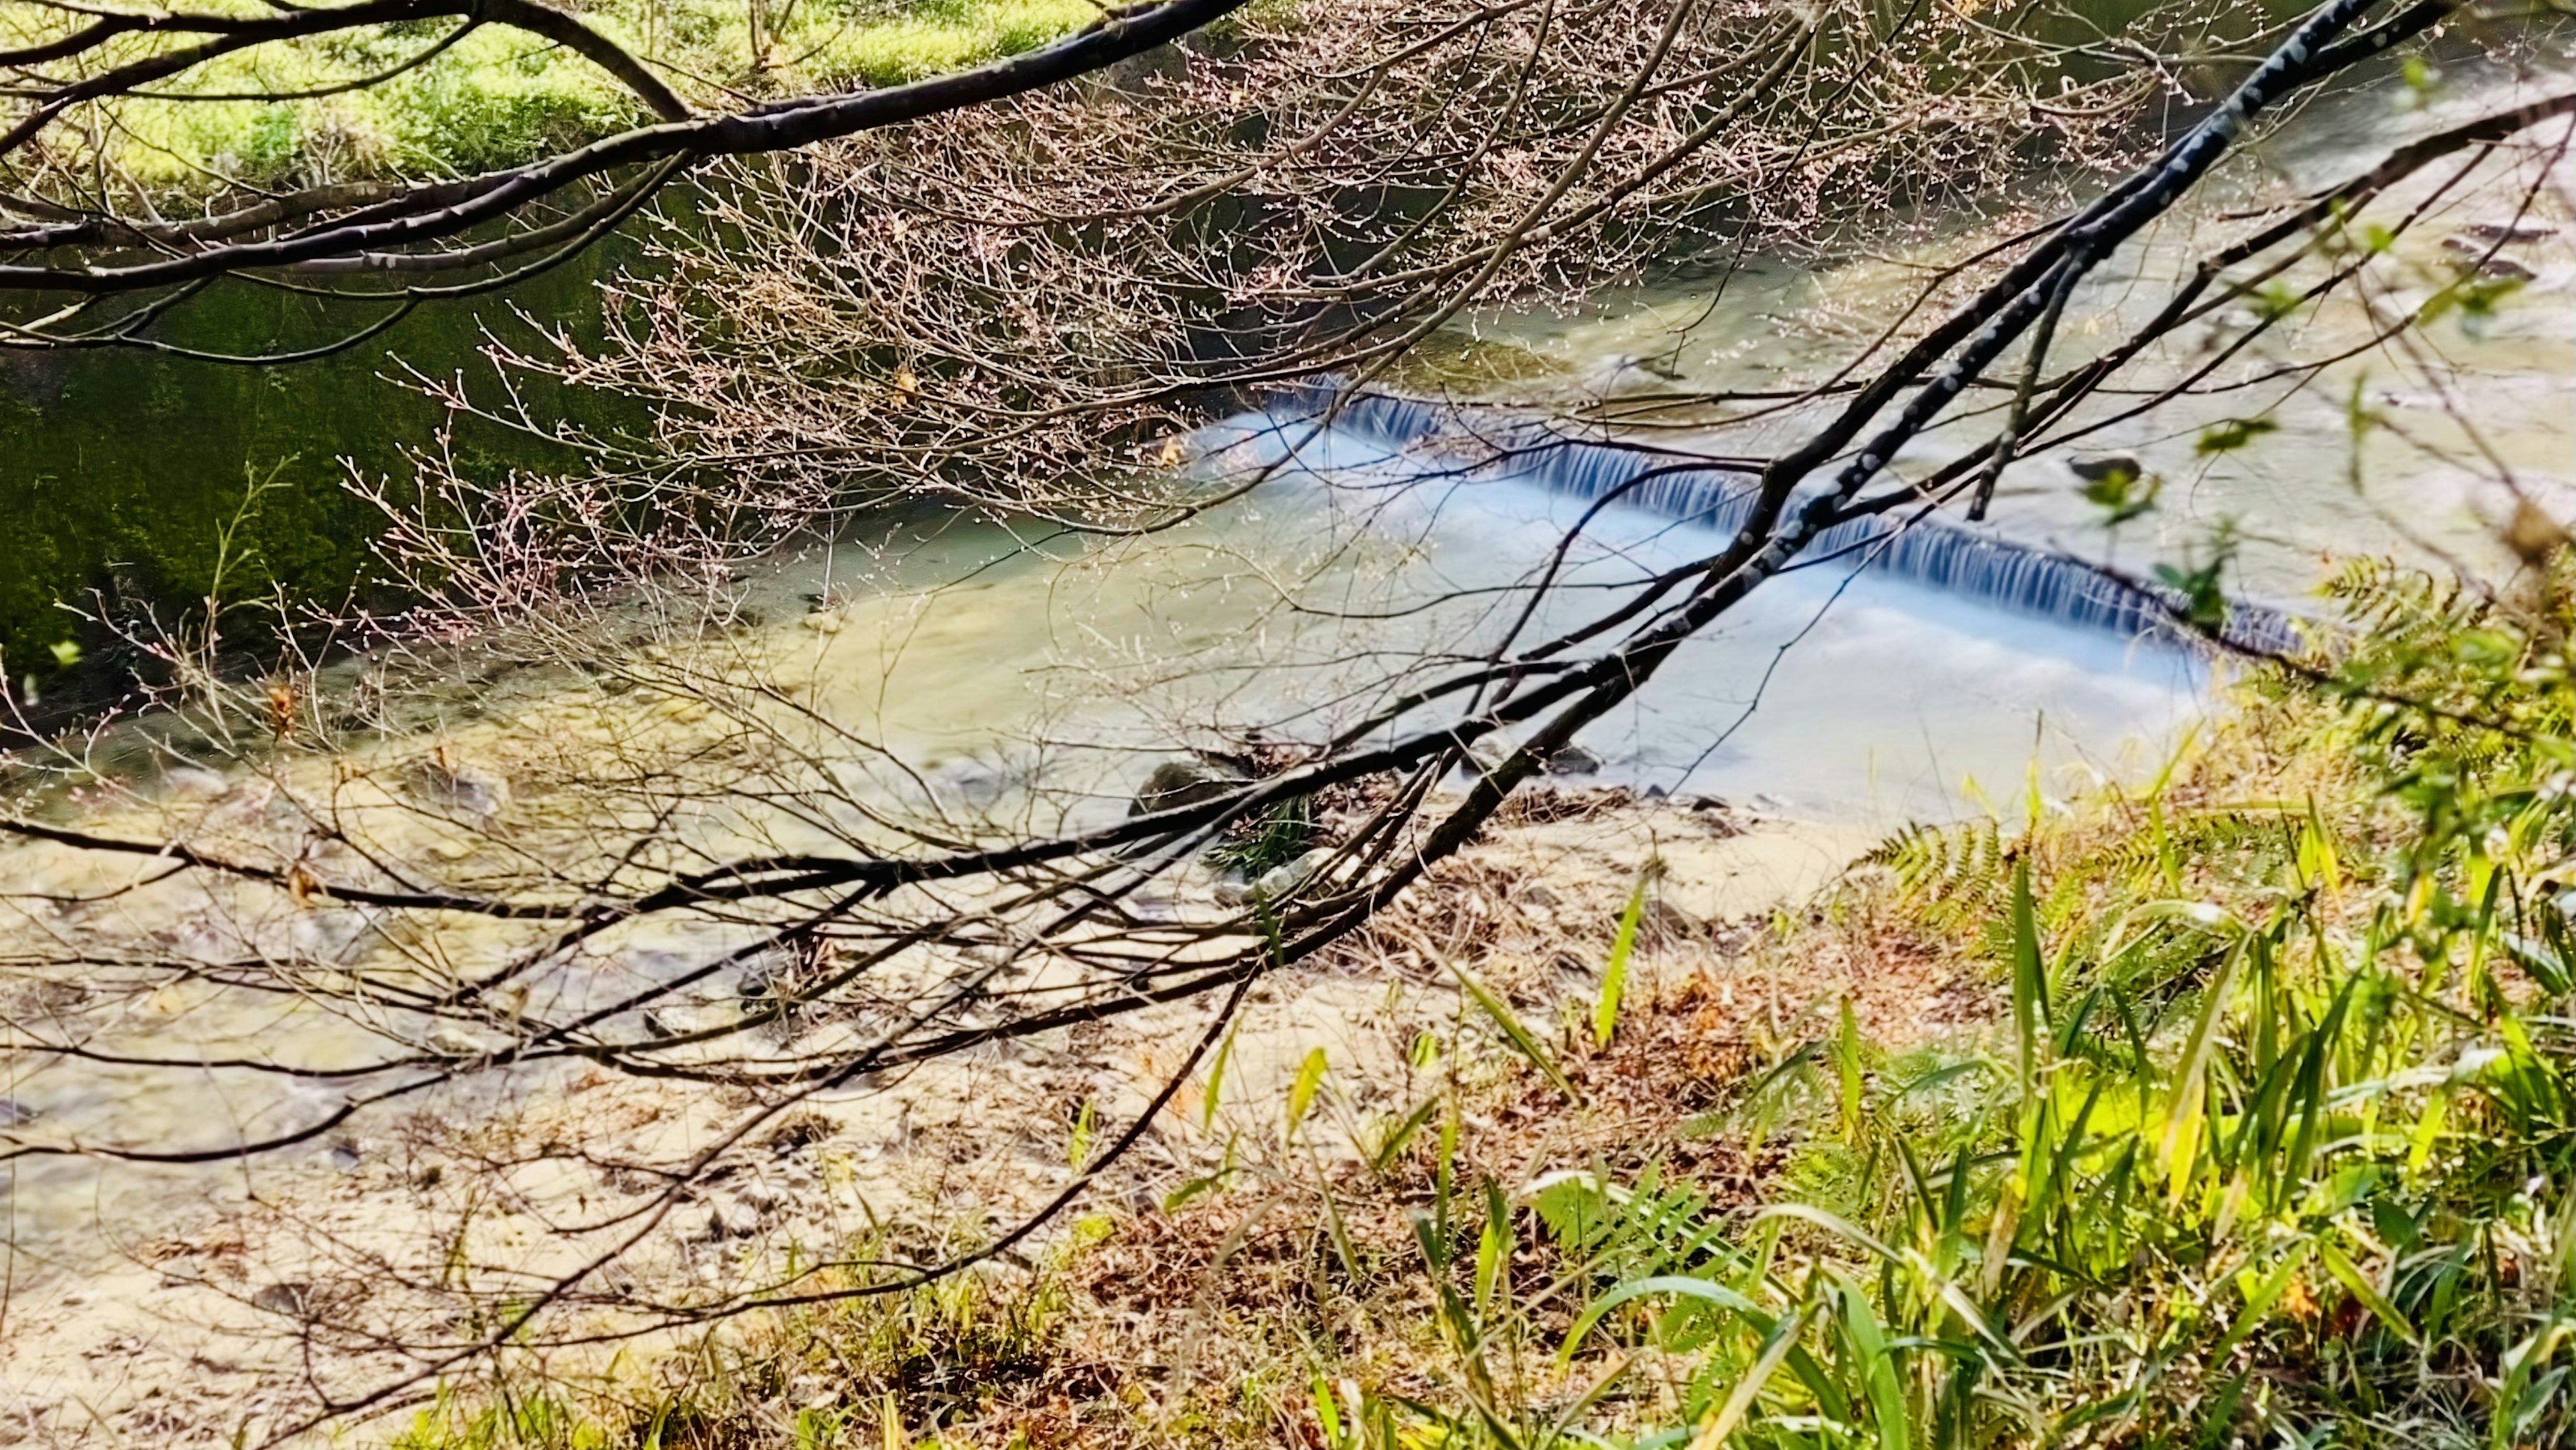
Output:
x=192 y=782
x=293 y=1298
x=2095 y=467
x=449 y=1040
x=1284 y=879
x=1571 y=760
x=1628 y=372
x=467 y=792
x=1177 y=783
x=2532 y=533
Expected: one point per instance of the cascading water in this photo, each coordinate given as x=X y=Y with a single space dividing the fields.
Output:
x=1936 y=552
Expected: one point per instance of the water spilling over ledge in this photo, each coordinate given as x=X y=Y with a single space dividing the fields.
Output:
x=1936 y=552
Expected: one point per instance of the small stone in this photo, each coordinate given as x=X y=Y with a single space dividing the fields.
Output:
x=1627 y=372
x=2479 y=255
x=2096 y=467
x=731 y=1220
x=2532 y=533
x=1571 y=760
x=192 y=782
x=1663 y=924
x=1178 y=783
x=800 y=1131
x=449 y=1040
x=466 y=791
x=1283 y=880
x=293 y=1297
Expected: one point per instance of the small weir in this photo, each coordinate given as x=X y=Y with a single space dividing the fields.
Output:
x=1935 y=552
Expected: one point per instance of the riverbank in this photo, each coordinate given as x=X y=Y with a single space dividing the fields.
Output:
x=211 y=1311
x=2197 y=1096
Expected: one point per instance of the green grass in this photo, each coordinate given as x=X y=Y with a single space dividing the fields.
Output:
x=499 y=96
x=2275 y=1149
x=879 y=1371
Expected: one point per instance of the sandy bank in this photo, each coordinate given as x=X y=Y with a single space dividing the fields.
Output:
x=234 y=1299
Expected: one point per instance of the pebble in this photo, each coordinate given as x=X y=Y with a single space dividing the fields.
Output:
x=1284 y=879
x=183 y=782
x=1571 y=760
x=726 y=1220
x=2510 y=231
x=462 y=789
x=2095 y=467
x=453 y=1041
x=293 y=1297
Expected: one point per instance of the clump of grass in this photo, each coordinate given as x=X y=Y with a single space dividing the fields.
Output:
x=1269 y=839
x=899 y=1369
x=2275 y=1147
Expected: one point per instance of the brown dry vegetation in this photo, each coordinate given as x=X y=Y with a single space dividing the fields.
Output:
x=1196 y=1312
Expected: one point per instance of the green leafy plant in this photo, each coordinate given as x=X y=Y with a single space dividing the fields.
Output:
x=2273 y=1145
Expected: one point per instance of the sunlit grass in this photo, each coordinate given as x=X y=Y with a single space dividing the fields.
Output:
x=496 y=97
x=2271 y=1147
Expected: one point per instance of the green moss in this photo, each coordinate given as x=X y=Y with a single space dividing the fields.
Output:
x=118 y=469
x=1455 y=359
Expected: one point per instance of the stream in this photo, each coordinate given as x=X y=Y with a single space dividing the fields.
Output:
x=1016 y=670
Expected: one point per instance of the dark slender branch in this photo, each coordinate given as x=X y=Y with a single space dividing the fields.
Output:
x=416 y=215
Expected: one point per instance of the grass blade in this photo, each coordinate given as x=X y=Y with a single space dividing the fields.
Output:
x=1614 y=973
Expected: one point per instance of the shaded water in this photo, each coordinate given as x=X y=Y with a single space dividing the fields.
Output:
x=146 y=481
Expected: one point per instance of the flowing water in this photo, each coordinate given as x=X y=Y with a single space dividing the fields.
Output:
x=2419 y=488
x=1963 y=657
